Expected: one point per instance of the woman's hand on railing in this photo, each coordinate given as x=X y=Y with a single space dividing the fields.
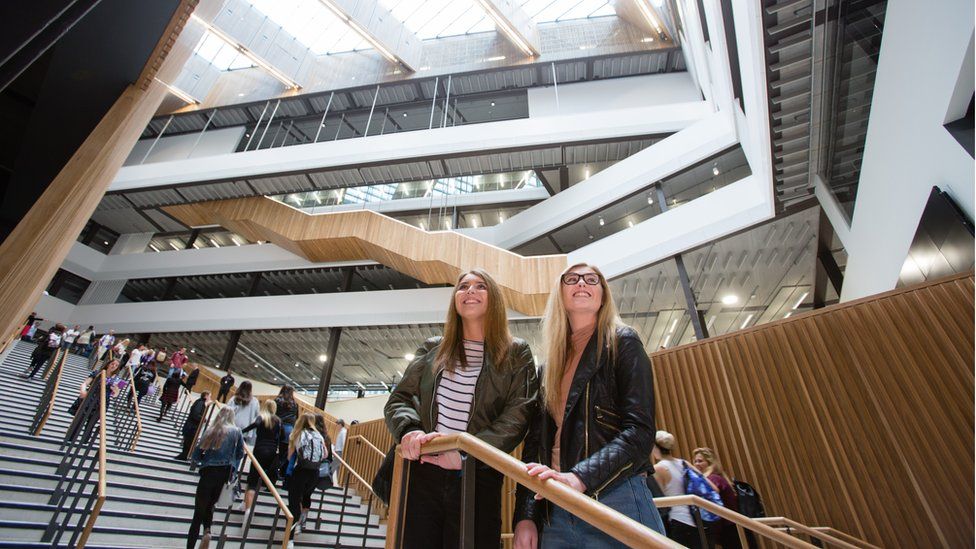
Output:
x=526 y=535
x=448 y=460
x=543 y=472
x=411 y=442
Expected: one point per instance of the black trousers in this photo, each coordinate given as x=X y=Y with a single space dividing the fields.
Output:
x=187 y=441
x=212 y=481
x=300 y=488
x=688 y=535
x=222 y=394
x=433 y=514
x=38 y=360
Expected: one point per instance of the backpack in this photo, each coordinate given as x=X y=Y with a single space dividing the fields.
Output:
x=697 y=485
x=750 y=504
x=310 y=451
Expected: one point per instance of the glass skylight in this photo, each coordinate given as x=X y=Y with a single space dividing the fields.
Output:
x=312 y=24
x=220 y=54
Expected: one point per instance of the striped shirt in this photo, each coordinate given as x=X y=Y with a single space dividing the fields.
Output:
x=456 y=390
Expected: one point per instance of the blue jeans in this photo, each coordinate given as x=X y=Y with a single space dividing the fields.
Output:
x=631 y=498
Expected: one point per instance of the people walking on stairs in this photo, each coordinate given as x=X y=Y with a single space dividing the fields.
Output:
x=437 y=396
x=670 y=474
x=595 y=427
x=246 y=409
x=68 y=342
x=193 y=419
x=288 y=413
x=177 y=361
x=27 y=334
x=217 y=456
x=306 y=451
x=270 y=433
x=84 y=342
x=191 y=378
x=105 y=343
x=170 y=394
x=706 y=461
x=43 y=352
x=226 y=384
x=326 y=470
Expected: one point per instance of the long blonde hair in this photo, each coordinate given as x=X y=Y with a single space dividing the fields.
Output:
x=222 y=426
x=267 y=413
x=714 y=465
x=557 y=338
x=307 y=421
x=498 y=340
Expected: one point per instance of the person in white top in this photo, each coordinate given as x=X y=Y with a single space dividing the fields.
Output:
x=104 y=344
x=340 y=441
x=669 y=474
x=68 y=341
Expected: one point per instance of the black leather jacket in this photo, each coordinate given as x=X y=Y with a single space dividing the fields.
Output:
x=505 y=399
x=608 y=426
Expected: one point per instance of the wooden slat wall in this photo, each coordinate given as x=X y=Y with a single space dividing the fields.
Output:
x=857 y=416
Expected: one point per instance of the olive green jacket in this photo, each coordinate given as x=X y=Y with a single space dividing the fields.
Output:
x=505 y=399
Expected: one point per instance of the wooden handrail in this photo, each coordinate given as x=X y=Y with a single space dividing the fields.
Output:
x=354 y=474
x=735 y=518
x=829 y=535
x=620 y=527
x=102 y=459
x=361 y=438
x=290 y=519
x=135 y=404
x=54 y=394
x=204 y=419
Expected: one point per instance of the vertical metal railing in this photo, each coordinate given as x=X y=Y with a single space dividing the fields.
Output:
x=128 y=420
x=76 y=494
x=49 y=396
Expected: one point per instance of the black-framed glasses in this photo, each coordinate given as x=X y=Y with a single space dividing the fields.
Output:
x=571 y=279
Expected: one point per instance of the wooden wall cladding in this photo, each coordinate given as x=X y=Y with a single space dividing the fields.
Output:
x=858 y=416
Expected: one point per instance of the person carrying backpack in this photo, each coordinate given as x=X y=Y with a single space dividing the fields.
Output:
x=706 y=461
x=306 y=449
x=42 y=353
x=678 y=478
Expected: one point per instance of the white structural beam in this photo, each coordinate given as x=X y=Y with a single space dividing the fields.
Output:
x=686 y=148
x=391 y=38
x=504 y=135
x=926 y=64
x=512 y=22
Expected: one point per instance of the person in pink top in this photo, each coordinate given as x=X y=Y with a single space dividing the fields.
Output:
x=177 y=361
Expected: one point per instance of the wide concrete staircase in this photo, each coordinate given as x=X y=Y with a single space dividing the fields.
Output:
x=150 y=494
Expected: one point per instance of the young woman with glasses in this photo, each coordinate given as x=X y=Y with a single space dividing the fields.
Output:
x=595 y=430
x=477 y=379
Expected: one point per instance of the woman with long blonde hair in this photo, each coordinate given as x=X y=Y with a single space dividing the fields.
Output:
x=707 y=462
x=596 y=427
x=474 y=379
x=270 y=434
x=307 y=447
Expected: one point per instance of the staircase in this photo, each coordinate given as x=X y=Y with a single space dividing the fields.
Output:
x=149 y=494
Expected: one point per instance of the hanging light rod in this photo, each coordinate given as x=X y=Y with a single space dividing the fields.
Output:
x=280 y=76
x=358 y=29
x=503 y=25
x=185 y=97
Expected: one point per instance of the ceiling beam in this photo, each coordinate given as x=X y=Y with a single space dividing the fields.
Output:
x=375 y=24
x=514 y=24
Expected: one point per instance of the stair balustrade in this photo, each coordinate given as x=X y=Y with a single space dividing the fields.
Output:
x=128 y=421
x=83 y=455
x=53 y=381
x=280 y=511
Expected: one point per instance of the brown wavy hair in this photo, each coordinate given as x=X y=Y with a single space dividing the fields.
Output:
x=498 y=340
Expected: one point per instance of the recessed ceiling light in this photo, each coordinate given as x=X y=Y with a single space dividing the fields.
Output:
x=492 y=103
x=602 y=222
x=650 y=199
x=630 y=223
x=730 y=299
x=240 y=94
x=404 y=115
x=408 y=356
x=715 y=170
x=323 y=358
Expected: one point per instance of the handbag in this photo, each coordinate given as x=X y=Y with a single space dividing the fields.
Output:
x=325 y=475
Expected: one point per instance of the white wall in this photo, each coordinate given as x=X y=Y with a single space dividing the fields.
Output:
x=615 y=93
x=924 y=48
x=181 y=147
x=362 y=409
x=54 y=310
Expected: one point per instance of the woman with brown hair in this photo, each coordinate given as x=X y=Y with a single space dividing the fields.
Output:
x=246 y=410
x=476 y=379
x=596 y=428
x=307 y=447
x=218 y=455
